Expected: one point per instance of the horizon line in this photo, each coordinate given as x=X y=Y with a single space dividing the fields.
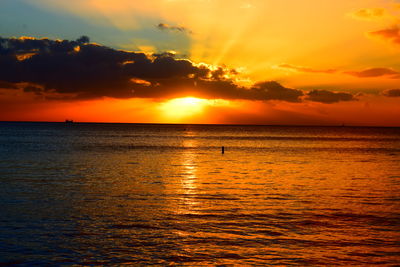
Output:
x=210 y=124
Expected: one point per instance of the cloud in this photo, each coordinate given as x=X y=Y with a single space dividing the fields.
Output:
x=391 y=34
x=34 y=89
x=328 y=97
x=392 y=93
x=82 y=70
x=274 y=91
x=163 y=26
x=369 y=13
x=367 y=73
x=8 y=85
x=375 y=72
x=306 y=69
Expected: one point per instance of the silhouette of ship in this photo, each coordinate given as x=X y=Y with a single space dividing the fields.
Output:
x=69 y=121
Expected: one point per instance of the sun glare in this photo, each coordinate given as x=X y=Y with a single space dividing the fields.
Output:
x=179 y=108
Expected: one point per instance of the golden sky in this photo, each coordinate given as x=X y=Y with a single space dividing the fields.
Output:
x=336 y=61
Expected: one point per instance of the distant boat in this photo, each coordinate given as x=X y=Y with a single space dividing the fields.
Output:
x=69 y=121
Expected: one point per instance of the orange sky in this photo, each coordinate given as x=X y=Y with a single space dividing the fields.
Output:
x=341 y=47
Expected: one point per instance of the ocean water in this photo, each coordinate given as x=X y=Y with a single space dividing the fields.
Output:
x=115 y=194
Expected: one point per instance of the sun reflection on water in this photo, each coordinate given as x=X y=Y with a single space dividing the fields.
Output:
x=189 y=175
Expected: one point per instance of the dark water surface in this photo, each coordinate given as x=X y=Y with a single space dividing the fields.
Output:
x=114 y=194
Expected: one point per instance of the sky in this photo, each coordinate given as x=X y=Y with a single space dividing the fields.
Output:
x=280 y=62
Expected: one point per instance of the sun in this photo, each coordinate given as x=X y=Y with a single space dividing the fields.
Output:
x=180 y=108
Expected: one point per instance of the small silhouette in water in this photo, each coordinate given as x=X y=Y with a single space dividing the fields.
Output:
x=69 y=121
x=223 y=150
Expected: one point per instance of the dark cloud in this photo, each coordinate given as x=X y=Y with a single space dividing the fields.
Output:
x=306 y=69
x=34 y=89
x=390 y=34
x=83 y=40
x=375 y=72
x=90 y=70
x=82 y=70
x=328 y=97
x=8 y=85
x=163 y=26
x=392 y=93
x=274 y=91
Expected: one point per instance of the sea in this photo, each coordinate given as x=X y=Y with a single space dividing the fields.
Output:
x=156 y=194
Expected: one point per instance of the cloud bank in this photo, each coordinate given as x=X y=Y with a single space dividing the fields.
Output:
x=83 y=70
